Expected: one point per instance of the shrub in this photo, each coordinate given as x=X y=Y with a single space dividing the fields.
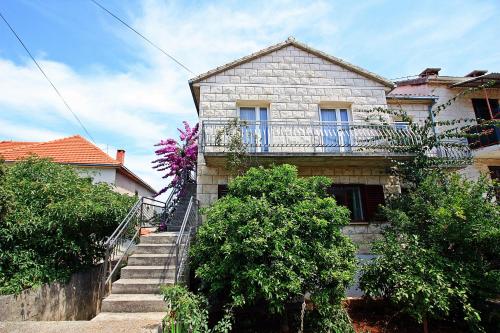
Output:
x=55 y=224
x=271 y=240
x=188 y=312
x=440 y=255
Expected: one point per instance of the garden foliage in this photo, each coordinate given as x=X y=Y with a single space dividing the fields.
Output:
x=188 y=312
x=55 y=223
x=273 y=239
x=439 y=257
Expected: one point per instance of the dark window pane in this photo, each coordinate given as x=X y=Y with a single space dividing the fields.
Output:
x=349 y=196
x=481 y=108
x=221 y=191
x=373 y=197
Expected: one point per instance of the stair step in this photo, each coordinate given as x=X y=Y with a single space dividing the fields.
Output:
x=148 y=272
x=140 y=286
x=159 y=238
x=155 y=249
x=133 y=303
x=119 y=316
x=151 y=259
x=83 y=326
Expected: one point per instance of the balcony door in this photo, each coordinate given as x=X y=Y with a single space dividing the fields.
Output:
x=336 y=134
x=254 y=129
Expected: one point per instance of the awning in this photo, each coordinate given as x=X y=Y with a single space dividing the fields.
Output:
x=479 y=81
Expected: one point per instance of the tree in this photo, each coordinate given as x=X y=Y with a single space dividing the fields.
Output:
x=56 y=223
x=4 y=195
x=272 y=240
x=178 y=158
x=439 y=256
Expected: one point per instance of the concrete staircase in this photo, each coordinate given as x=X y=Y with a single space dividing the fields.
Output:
x=181 y=207
x=151 y=265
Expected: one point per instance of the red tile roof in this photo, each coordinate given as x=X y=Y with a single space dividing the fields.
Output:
x=70 y=150
x=5 y=145
x=73 y=150
x=422 y=90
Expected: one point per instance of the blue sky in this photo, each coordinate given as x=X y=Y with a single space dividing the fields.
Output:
x=130 y=96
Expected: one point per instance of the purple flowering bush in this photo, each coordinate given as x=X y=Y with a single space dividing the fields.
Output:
x=177 y=158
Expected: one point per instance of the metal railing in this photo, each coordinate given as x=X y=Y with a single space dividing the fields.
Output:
x=187 y=230
x=483 y=136
x=146 y=212
x=302 y=137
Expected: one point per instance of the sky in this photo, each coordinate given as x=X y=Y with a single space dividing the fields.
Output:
x=130 y=96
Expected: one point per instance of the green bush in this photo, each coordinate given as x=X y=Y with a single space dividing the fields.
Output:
x=188 y=312
x=271 y=240
x=55 y=223
x=439 y=257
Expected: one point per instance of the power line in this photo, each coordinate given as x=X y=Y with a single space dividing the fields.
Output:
x=47 y=78
x=142 y=36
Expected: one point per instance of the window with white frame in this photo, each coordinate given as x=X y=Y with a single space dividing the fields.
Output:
x=255 y=131
x=335 y=129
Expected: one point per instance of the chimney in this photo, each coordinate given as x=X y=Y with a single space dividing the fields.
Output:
x=120 y=156
x=476 y=73
x=429 y=71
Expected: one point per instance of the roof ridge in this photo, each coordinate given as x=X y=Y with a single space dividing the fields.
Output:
x=36 y=144
x=292 y=41
x=96 y=148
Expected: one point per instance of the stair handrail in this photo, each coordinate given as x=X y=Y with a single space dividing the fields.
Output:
x=189 y=224
x=118 y=245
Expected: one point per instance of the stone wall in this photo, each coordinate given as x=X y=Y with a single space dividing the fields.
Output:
x=76 y=300
x=293 y=82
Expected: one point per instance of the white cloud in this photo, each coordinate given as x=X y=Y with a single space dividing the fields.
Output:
x=18 y=132
x=136 y=107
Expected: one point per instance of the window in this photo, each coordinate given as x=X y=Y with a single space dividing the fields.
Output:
x=255 y=133
x=481 y=108
x=221 y=191
x=401 y=125
x=490 y=134
x=362 y=200
x=350 y=197
x=335 y=129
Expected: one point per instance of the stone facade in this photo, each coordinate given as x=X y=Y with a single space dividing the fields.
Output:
x=293 y=85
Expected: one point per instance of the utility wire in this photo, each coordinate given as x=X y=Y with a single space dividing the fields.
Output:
x=142 y=36
x=47 y=78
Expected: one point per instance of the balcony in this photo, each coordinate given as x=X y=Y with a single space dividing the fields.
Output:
x=484 y=136
x=484 y=141
x=295 y=139
x=330 y=140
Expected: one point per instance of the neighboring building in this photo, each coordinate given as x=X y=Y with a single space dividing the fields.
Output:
x=304 y=107
x=418 y=95
x=88 y=160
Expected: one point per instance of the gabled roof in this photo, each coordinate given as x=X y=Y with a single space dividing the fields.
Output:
x=290 y=42
x=71 y=150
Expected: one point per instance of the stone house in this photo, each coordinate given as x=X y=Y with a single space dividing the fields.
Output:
x=304 y=107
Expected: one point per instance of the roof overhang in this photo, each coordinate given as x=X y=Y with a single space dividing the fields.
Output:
x=476 y=82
